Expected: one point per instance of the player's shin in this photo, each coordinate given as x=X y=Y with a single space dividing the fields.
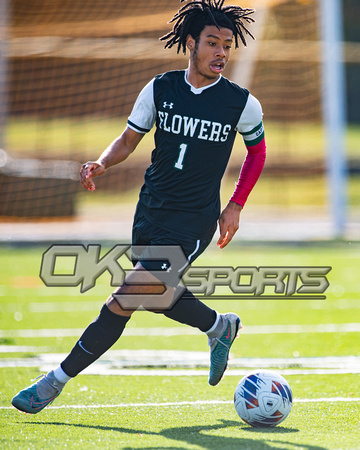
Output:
x=98 y=337
x=191 y=311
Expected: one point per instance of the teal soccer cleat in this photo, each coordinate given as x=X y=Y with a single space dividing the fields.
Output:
x=39 y=395
x=220 y=347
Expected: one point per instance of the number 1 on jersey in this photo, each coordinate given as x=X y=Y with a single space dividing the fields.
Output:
x=179 y=162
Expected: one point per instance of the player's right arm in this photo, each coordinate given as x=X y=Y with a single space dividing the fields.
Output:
x=141 y=120
x=115 y=153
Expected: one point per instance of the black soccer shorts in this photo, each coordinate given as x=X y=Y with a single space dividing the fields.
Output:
x=165 y=254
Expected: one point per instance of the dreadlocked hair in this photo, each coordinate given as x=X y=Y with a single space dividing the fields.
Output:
x=196 y=15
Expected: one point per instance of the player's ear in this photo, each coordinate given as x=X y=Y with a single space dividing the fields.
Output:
x=190 y=42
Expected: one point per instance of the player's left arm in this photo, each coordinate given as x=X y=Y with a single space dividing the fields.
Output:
x=254 y=138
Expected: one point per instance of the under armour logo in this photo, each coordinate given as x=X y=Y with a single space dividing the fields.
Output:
x=168 y=105
x=166 y=267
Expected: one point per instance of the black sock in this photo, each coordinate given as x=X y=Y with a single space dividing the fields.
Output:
x=98 y=337
x=191 y=311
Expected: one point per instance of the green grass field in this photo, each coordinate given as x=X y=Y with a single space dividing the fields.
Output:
x=170 y=405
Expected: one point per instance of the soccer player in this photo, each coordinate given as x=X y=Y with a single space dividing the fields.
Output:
x=197 y=113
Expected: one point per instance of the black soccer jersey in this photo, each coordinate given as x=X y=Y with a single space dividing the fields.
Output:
x=195 y=132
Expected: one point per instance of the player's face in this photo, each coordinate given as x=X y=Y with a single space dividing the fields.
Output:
x=210 y=54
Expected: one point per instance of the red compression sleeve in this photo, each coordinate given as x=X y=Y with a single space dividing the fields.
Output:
x=250 y=172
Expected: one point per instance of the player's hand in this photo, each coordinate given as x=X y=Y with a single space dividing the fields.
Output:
x=88 y=171
x=228 y=223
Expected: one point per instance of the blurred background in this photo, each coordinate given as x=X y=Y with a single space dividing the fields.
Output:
x=70 y=72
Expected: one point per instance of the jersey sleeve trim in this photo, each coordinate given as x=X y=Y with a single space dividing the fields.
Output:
x=143 y=114
x=134 y=127
x=250 y=124
x=254 y=136
x=248 y=133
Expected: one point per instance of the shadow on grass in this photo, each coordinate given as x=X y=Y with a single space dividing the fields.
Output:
x=195 y=435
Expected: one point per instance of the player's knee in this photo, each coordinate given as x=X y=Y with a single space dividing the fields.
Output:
x=114 y=307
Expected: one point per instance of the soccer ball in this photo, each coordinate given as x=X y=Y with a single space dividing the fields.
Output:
x=263 y=398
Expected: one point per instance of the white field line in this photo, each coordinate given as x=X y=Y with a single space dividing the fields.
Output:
x=22 y=349
x=193 y=403
x=51 y=307
x=200 y=372
x=128 y=358
x=183 y=331
x=187 y=363
x=92 y=305
x=108 y=370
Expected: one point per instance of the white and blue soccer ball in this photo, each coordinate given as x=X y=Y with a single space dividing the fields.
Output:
x=263 y=398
